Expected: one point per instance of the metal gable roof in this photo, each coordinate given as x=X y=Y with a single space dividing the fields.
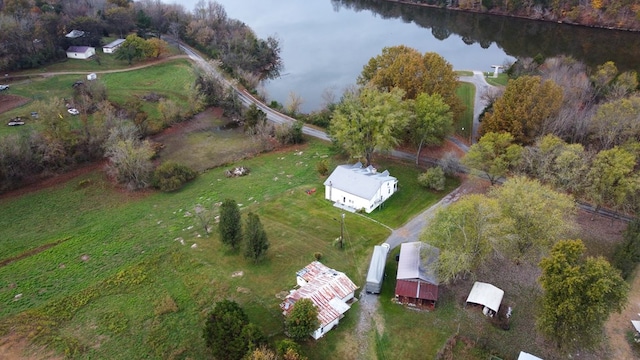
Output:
x=357 y=180
x=326 y=288
x=78 y=49
x=411 y=265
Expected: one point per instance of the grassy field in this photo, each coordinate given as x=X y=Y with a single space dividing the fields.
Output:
x=169 y=79
x=501 y=80
x=107 y=276
x=464 y=127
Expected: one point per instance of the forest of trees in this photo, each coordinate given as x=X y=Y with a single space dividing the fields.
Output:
x=32 y=33
x=602 y=13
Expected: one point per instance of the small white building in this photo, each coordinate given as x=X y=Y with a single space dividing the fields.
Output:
x=487 y=295
x=80 y=52
x=330 y=291
x=354 y=187
x=111 y=47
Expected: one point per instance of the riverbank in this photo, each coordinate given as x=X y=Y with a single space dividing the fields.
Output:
x=541 y=16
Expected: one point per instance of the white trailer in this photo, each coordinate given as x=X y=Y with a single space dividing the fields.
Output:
x=376 y=268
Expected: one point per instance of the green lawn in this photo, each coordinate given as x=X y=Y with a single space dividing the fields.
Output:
x=464 y=126
x=118 y=284
x=169 y=79
x=501 y=80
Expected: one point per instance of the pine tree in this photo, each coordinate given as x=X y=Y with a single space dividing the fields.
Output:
x=256 y=238
x=230 y=226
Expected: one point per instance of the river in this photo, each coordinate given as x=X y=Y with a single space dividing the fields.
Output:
x=325 y=43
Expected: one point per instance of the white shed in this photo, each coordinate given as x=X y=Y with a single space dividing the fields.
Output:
x=486 y=295
x=354 y=187
x=376 y=268
x=111 y=47
x=80 y=52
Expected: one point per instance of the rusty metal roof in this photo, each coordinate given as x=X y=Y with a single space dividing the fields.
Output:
x=417 y=289
x=326 y=288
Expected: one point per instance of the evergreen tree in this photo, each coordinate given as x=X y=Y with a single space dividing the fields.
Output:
x=230 y=226
x=223 y=331
x=256 y=238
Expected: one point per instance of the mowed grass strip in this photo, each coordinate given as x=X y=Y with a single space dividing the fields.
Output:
x=464 y=126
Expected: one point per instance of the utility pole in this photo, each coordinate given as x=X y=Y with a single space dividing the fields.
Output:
x=342 y=232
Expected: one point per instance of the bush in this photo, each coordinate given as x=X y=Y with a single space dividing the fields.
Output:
x=170 y=176
x=627 y=254
x=433 y=179
x=450 y=164
x=289 y=134
x=317 y=255
x=322 y=167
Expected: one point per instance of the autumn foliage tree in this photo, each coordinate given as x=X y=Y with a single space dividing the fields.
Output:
x=579 y=295
x=524 y=107
x=415 y=73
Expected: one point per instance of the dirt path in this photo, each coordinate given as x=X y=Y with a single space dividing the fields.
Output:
x=618 y=325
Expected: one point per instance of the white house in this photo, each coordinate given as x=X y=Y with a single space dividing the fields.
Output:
x=80 y=52
x=354 y=187
x=330 y=291
x=111 y=47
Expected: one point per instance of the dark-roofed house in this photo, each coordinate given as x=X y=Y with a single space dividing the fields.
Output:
x=354 y=187
x=111 y=47
x=417 y=283
x=80 y=52
x=330 y=291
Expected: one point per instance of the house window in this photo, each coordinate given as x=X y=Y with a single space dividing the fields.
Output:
x=344 y=199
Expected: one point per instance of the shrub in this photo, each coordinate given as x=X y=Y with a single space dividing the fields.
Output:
x=432 y=179
x=450 y=164
x=170 y=176
x=627 y=253
x=318 y=255
x=322 y=167
x=289 y=134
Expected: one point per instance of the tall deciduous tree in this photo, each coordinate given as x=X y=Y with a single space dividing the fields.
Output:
x=534 y=217
x=524 y=107
x=415 y=73
x=230 y=225
x=302 y=320
x=493 y=156
x=612 y=178
x=369 y=121
x=465 y=233
x=256 y=241
x=579 y=295
x=616 y=122
x=432 y=121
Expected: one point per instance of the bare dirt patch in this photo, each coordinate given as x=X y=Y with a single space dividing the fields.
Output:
x=13 y=347
x=8 y=102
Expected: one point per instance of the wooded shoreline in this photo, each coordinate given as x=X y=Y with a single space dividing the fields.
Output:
x=502 y=13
